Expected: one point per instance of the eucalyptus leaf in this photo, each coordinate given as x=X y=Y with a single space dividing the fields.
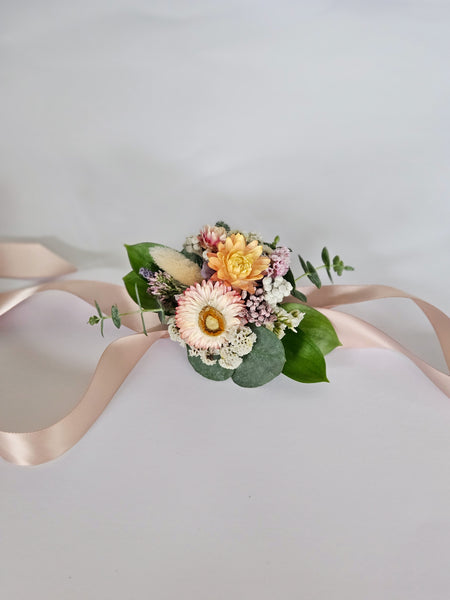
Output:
x=99 y=310
x=131 y=281
x=299 y=295
x=215 y=372
x=316 y=326
x=290 y=278
x=327 y=262
x=313 y=276
x=302 y=262
x=326 y=257
x=115 y=316
x=304 y=360
x=263 y=363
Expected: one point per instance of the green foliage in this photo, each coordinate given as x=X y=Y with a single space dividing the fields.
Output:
x=133 y=281
x=115 y=316
x=193 y=257
x=215 y=372
x=299 y=295
x=141 y=309
x=99 y=310
x=339 y=267
x=304 y=360
x=290 y=278
x=302 y=262
x=139 y=256
x=93 y=320
x=310 y=271
x=224 y=225
x=263 y=363
x=313 y=275
x=326 y=262
x=305 y=349
x=316 y=327
x=273 y=245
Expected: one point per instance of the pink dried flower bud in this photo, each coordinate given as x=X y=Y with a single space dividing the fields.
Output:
x=210 y=236
x=280 y=260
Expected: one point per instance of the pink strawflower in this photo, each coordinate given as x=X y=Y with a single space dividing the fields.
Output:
x=206 y=313
x=280 y=260
x=210 y=236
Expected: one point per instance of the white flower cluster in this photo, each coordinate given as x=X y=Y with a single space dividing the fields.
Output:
x=249 y=236
x=205 y=356
x=275 y=289
x=192 y=245
x=285 y=320
x=174 y=332
x=239 y=343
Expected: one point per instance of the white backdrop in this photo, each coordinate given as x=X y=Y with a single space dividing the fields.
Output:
x=323 y=122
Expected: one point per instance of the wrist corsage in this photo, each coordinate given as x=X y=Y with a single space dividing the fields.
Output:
x=230 y=299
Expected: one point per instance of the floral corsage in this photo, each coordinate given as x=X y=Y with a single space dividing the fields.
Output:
x=230 y=299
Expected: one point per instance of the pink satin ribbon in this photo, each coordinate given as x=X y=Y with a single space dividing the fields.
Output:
x=26 y=261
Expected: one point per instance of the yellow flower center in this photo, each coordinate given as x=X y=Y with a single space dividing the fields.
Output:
x=240 y=265
x=211 y=321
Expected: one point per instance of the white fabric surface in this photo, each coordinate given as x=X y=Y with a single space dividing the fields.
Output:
x=323 y=122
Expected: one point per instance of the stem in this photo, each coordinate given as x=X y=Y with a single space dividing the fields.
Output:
x=134 y=312
x=308 y=273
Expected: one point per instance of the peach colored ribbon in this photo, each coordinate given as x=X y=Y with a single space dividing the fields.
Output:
x=21 y=260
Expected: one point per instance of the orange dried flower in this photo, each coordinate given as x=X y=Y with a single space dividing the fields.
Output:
x=237 y=263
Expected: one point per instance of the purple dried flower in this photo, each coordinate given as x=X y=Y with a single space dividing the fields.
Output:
x=163 y=286
x=280 y=259
x=257 y=310
x=207 y=272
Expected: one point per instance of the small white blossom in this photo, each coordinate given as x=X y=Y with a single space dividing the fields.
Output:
x=204 y=355
x=275 y=289
x=248 y=235
x=285 y=320
x=174 y=332
x=192 y=245
x=290 y=318
x=229 y=359
x=241 y=340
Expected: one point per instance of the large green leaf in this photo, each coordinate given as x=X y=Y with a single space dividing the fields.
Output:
x=316 y=326
x=304 y=360
x=215 y=372
x=131 y=280
x=139 y=256
x=263 y=363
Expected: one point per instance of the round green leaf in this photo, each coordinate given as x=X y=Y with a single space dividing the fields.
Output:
x=264 y=363
x=215 y=372
x=304 y=360
x=316 y=326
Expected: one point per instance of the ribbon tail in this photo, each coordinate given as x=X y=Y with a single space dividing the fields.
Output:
x=336 y=295
x=356 y=333
x=24 y=260
x=116 y=362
